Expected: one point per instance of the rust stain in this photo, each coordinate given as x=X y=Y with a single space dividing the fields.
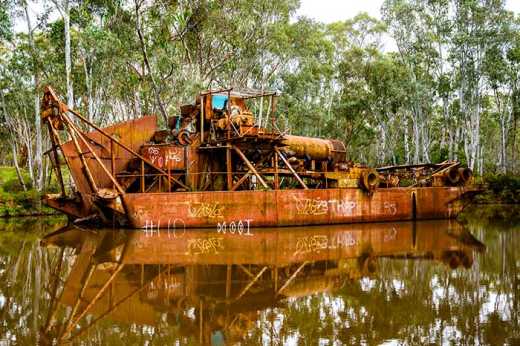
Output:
x=217 y=165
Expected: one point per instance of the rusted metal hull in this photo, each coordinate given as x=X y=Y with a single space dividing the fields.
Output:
x=240 y=210
x=133 y=174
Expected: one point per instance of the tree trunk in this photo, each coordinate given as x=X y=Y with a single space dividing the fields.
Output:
x=37 y=121
x=68 y=65
x=147 y=64
x=406 y=145
x=416 y=137
x=16 y=166
x=88 y=84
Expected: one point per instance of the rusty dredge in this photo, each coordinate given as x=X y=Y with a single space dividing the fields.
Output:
x=218 y=165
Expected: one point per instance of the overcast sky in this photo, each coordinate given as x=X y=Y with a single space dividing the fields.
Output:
x=321 y=10
x=329 y=11
x=333 y=10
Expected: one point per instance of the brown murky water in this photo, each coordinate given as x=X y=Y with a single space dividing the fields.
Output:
x=432 y=282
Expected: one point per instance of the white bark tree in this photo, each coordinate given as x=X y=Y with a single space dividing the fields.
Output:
x=63 y=7
x=38 y=166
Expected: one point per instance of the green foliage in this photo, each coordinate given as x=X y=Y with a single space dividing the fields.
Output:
x=505 y=188
x=491 y=216
x=14 y=201
x=12 y=185
x=9 y=181
x=450 y=91
x=5 y=21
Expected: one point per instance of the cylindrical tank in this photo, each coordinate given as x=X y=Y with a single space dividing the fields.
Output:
x=465 y=174
x=316 y=148
x=452 y=175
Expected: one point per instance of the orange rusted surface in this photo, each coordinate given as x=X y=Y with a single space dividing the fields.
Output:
x=217 y=165
x=133 y=133
x=294 y=245
x=165 y=156
x=280 y=246
x=290 y=207
x=141 y=276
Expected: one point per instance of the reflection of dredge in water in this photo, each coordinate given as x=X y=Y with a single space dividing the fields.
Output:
x=214 y=286
x=217 y=162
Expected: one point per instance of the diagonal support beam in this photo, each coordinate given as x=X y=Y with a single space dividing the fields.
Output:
x=96 y=157
x=101 y=291
x=114 y=307
x=85 y=280
x=62 y=109
x=90 y=178
x=241 y=181
x=288 y=282
x=244 y=177
x=142 y=158
x=251 y=283
x=250 y=166
x=291 y=169
x=245 y=270
x=94 y=300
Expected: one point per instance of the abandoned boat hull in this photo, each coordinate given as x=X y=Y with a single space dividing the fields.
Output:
x=241 y=210
x=216 y=168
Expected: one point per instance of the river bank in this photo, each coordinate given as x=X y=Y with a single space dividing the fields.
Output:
x=15 y=201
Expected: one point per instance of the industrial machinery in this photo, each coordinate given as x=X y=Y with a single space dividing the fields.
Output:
x=223 y=162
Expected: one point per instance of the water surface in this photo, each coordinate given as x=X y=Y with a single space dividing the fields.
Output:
x=429 y=282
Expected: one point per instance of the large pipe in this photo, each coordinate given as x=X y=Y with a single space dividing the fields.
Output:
x=315 y=148
x=465 y=174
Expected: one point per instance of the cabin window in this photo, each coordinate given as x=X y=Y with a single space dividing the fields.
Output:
x=219 y=102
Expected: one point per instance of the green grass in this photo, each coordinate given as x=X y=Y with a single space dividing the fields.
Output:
x=7 y=173
x=16 y=202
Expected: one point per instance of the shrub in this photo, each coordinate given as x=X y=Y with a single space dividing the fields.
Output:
x=505 y=188
x=13 y=185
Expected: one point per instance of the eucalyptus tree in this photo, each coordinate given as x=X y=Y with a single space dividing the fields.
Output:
x=478 y=24
x=6 y=32
x=408 y=24
x=35 y=64
x=501 y=71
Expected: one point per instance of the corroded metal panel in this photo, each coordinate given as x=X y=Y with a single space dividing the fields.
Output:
x=288 y=207
x=173 y=270
x=165 y=156
x=438 y=202
x=133 y=133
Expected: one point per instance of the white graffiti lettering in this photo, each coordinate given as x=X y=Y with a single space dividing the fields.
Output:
x=317 y=243
x=390 y=207
x=311 y=206
x=210 y=210
x=203 y=246
x=239 y=227
x=344 y=207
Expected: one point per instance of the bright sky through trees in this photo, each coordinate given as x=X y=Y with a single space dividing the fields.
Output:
x=329 y=11
x=333 y=10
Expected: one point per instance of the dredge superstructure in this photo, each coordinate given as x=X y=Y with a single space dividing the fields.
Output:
x=219 y=165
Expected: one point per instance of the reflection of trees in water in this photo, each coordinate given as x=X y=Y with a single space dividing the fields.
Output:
x=28 y=275
x=25 y=275
x=422 y=302
x=415 y=301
